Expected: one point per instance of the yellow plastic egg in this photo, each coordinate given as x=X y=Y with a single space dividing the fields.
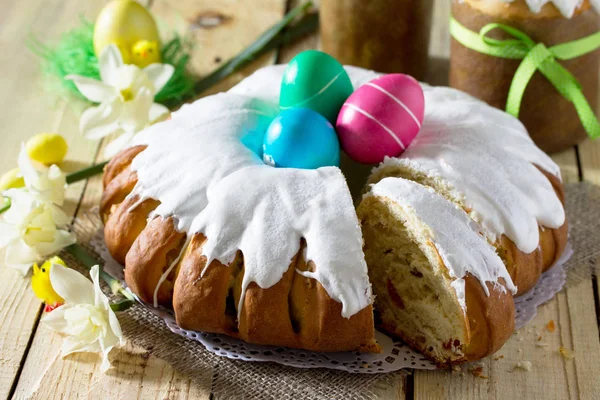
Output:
x=11 y=179
x=47 y=148
x=124 y=23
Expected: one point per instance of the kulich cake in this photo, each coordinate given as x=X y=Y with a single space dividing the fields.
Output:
x=275 y=255
x=438 y=283
x=482 y=159
x=551 y=120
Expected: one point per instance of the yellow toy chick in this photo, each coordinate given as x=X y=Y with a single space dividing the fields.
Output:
x=145 y=52
x=130 y=26
x=40 y=283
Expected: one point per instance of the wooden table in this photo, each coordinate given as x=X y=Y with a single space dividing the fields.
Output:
x=30 y=364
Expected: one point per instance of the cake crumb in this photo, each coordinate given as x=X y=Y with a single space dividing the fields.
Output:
x=477 y=371
x=539 y=338
x=541 y=344
x=498 y=357
x=566 y=353
x=520 y=339
x=520 y=350
x=456 y=368
x=524 y=365
x=551 y=327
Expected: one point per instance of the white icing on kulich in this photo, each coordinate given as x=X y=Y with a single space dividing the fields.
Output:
x=566 y=7
x=456 y=237
x=485 y=154
x=203 y=176
x=487 y=158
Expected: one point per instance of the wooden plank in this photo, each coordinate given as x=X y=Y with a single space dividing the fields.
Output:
x=589 y=158
x=26 y=110
x=137 y=375
x=219 y=30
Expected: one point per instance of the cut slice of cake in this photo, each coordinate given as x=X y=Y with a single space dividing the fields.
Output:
x=438 y=283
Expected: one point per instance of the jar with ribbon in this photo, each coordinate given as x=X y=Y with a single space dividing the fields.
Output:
x=538 y=60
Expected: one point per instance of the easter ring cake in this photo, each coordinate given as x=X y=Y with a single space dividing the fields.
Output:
x=447 y=233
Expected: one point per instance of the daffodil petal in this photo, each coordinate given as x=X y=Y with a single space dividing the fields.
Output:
x=23 y=269
x=101 y=121
x=118 y=144
x=115 y=326
x=110 y=61
x=157 y=111
x=56 y=319
x=71 y=285
x=59 y=217
x=134 y=116
x=8 y=234
x=30 y=174
x=72 y=345
x=159 y=75
x=93 y=90
x=62 y=239
x=19 y=254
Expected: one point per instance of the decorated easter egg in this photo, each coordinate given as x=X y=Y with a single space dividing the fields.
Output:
x=301 y=138
x=47 y=148
x=124 y=23
x=317 y=81
x=254 y=141
x=381 y=118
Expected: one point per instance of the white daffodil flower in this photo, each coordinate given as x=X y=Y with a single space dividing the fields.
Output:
x=86 y=317
x=44 y=183
x=32 y=229
x=126 y=97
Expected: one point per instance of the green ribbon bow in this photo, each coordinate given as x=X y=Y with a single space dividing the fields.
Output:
x=535 y=56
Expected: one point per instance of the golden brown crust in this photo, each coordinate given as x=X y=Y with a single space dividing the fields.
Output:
x=295 y=312
x=491 y=318
x=157 y=246
x=119 y=162
x=543 y=108
x=526 y=269
x=123 y=227
x=116 y=191
x=194 y=292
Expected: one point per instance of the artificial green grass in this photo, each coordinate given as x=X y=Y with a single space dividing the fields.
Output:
x=74 y=54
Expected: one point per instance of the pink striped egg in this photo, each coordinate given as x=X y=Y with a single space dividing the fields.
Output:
x=381 y=118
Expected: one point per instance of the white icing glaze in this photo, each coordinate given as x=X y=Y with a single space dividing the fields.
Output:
x=456 y=237
x=488 y=158
x=197 y=167
x=566 y=7
x=240 y=203
x=484 y=153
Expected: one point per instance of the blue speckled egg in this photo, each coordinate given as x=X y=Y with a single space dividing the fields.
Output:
x=301 y=138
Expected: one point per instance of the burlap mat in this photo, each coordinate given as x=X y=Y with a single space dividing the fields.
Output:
x=229 y=379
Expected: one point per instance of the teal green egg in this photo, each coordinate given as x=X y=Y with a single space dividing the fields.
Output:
x=317 y=81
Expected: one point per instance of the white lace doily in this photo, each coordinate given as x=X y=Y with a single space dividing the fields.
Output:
x=395 y=355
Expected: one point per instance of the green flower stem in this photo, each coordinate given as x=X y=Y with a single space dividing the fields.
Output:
x=86 y=173
x=6 y=204
x=271 y=39
x=86 y=259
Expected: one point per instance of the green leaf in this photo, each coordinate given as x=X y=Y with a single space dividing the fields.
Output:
x=86 y=173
